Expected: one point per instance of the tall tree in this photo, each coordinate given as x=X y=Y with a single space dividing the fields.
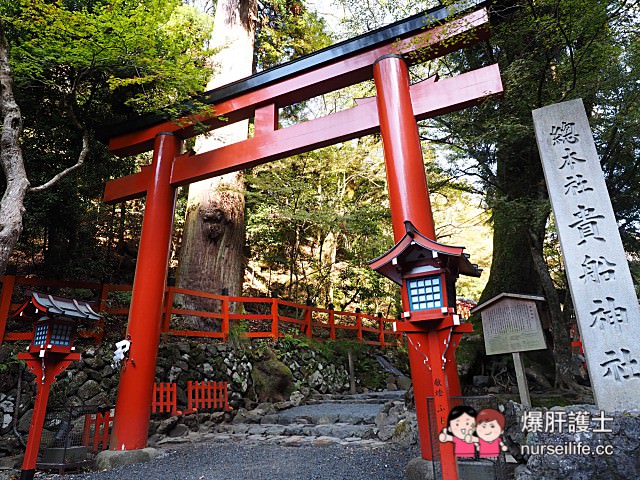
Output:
x=547 y=53
x=212 y=250
x=211 y=254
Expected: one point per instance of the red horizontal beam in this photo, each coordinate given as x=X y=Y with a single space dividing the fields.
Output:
x=429 y=99
x=425 y=46
x=291 y=320
x=197 y=293
x=38 y=282
x=195 y=313
x=15 y=336
x=249 y=316
x=193 y=333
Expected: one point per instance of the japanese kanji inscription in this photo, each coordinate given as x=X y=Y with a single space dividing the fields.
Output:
x=603 y=292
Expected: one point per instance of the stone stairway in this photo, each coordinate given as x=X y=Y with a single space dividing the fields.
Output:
x=324 y=419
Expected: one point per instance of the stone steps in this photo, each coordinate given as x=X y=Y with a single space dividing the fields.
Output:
x=285 y=440
x=337 y=430
x=369 y=397
x=326 y=419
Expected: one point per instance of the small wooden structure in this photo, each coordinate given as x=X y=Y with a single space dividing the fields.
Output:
x=51 y=351
x=511 y=324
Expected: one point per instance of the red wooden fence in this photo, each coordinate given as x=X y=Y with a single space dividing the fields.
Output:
x=278 y=316
x=97 y=429
x=165 y=399
x=200 y=395
x=207 y=395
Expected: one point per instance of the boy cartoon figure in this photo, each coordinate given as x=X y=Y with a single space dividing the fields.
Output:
x=461 y=423
x=489 y=427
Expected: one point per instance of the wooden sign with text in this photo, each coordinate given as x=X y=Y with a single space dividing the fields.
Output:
x=511 y=323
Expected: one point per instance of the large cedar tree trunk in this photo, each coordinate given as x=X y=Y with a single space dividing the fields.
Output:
x=518 y=207
x=211 y=254
x=520 y=214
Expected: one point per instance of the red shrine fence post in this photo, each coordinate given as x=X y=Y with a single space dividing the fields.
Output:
x=133 y=405
x=409 y=201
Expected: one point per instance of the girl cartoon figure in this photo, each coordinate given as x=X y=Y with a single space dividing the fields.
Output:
x=460 y=427
x=489 y=427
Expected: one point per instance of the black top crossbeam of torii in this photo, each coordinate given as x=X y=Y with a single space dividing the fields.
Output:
x=421 y=37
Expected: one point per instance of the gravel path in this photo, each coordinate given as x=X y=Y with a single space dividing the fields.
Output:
x=252 y=461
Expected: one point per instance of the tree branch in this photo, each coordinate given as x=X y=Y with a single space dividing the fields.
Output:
x=84 y=151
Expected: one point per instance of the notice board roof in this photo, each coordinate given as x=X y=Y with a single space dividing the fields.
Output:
x=506 y=296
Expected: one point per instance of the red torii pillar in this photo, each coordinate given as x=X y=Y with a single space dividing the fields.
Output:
x=409 y=201
x=131 y=422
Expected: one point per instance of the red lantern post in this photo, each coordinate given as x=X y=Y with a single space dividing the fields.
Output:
x=51 y=351
x=425 y=269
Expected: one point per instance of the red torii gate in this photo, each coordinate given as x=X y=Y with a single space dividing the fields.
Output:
x=382 y=55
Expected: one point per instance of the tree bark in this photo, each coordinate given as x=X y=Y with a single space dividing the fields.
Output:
x=12 y=203
x=516 y=210
x=211 y=254
x=559 y=327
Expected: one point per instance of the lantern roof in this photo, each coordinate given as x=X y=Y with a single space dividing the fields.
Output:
x=57 y=306
x=415 y=250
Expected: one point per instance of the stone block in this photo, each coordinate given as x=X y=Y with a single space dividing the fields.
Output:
x=89 y=389
x=481 y=380
x=25 y=421
x=110 y=459
x=476 y=470
x=167 y=424
x=404 y=383
x=419 y=469
x=597 y=268
x=180 y=430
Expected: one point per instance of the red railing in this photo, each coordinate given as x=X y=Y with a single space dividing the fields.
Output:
x=97 y=429
x=165 y=398
x=207 y=395
x=204 y=395
x=274 y=317
x=262 y=317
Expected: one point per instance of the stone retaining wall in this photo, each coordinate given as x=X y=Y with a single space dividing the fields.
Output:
x=93 y=381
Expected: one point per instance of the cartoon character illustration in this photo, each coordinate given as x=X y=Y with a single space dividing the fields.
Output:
x=489 y=427
x=461 y=424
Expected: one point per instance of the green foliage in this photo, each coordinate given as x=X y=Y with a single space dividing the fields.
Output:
x=366 y=368
x=286 y=29
x=237 y=337
x=315 y=220
x=77 y=66
x=547 y=54
x=149 y=53
x=359 y=17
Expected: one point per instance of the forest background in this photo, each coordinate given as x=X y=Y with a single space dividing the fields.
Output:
x=312 y=221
